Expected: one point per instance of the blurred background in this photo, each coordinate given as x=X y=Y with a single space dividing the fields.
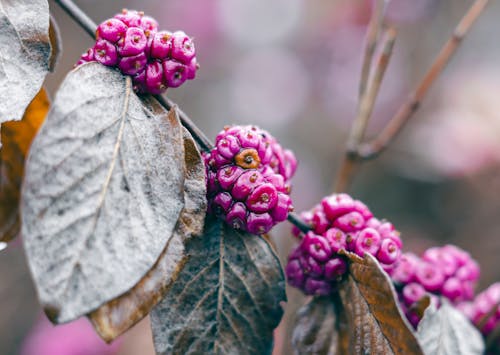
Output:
x=292 y=67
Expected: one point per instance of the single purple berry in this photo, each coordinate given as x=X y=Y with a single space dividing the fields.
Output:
x=237 y=216
x=175 y=73
x=259 y=223
x=133 y=43
x=149 y=25
x=412 y=293
x=389 y=251
x=429 y=276
x=161 y=45
x=133 y=65
x=317 y=246
x=263 y=198
x=222 y=202
x=111 y=30
x=337 y=239
x=246 y=183
x=310 y=265
x=154 y=78
x=282 y=208
x=350 y=222
x=404 y=271
x=452 y=289
x=319 y=222
x=228 y=175
x=131 y=18
x=105 y=53
x=337 y=205
x=182 y=47
x=368 y=241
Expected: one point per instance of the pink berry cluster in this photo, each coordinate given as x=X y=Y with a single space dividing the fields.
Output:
x=156 y=60
x=484 y=310
x=248 y=179
x=338 y=223
x=446 y=271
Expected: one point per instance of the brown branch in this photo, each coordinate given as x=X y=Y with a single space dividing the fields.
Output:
x=375 y=147
x=365 y=110
x=372 y=34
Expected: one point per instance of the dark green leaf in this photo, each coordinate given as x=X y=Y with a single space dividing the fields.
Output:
x=102 y=194
x=118 y=315
x=25 y=53
x=226 y=299
x=446 y=331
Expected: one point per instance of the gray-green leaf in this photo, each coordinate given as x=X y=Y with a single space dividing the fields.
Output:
x=25 y=53
x=102 y=194
x=227 y=298
x=120 y=314
x=446 y=331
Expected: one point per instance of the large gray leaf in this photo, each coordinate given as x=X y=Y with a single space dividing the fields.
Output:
x=446 y=331
x=227 y=298
x=120 y=314
x=102 y=194
x=25 y=53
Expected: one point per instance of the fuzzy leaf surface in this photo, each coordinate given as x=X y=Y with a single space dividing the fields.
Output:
x=226 y=299
x=25 y=52
x=120 y=314
x=102 y=194
x=17 y=137
x=446 y=331
x=375 y=324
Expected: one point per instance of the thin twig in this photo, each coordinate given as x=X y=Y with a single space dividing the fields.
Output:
x=365 y=110
x=372 y=34
x=79 y=16
x=90 y=27
x=375 y=147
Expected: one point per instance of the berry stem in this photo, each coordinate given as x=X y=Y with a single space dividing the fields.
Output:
x=365 y=110
x=205 y=144
x=78 y=15
x=374 y=148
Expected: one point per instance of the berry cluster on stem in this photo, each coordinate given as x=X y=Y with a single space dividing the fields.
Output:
x=248 y=179
x=156 y=60
x=339 y=223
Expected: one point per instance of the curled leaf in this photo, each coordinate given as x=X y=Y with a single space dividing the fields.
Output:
x=226 y=299
x=24 y=53
x=16 y=137
x=55 y=44
x=102 y=193
x=120 y=314
x=446 y=331
x=375 y=324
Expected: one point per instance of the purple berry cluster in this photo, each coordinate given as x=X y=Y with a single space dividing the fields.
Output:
x=248 y=179
x=156 y=60
x=338 y=223
x=484 y=310
x=446 y=271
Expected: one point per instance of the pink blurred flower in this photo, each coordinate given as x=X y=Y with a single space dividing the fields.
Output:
x=75 y=338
